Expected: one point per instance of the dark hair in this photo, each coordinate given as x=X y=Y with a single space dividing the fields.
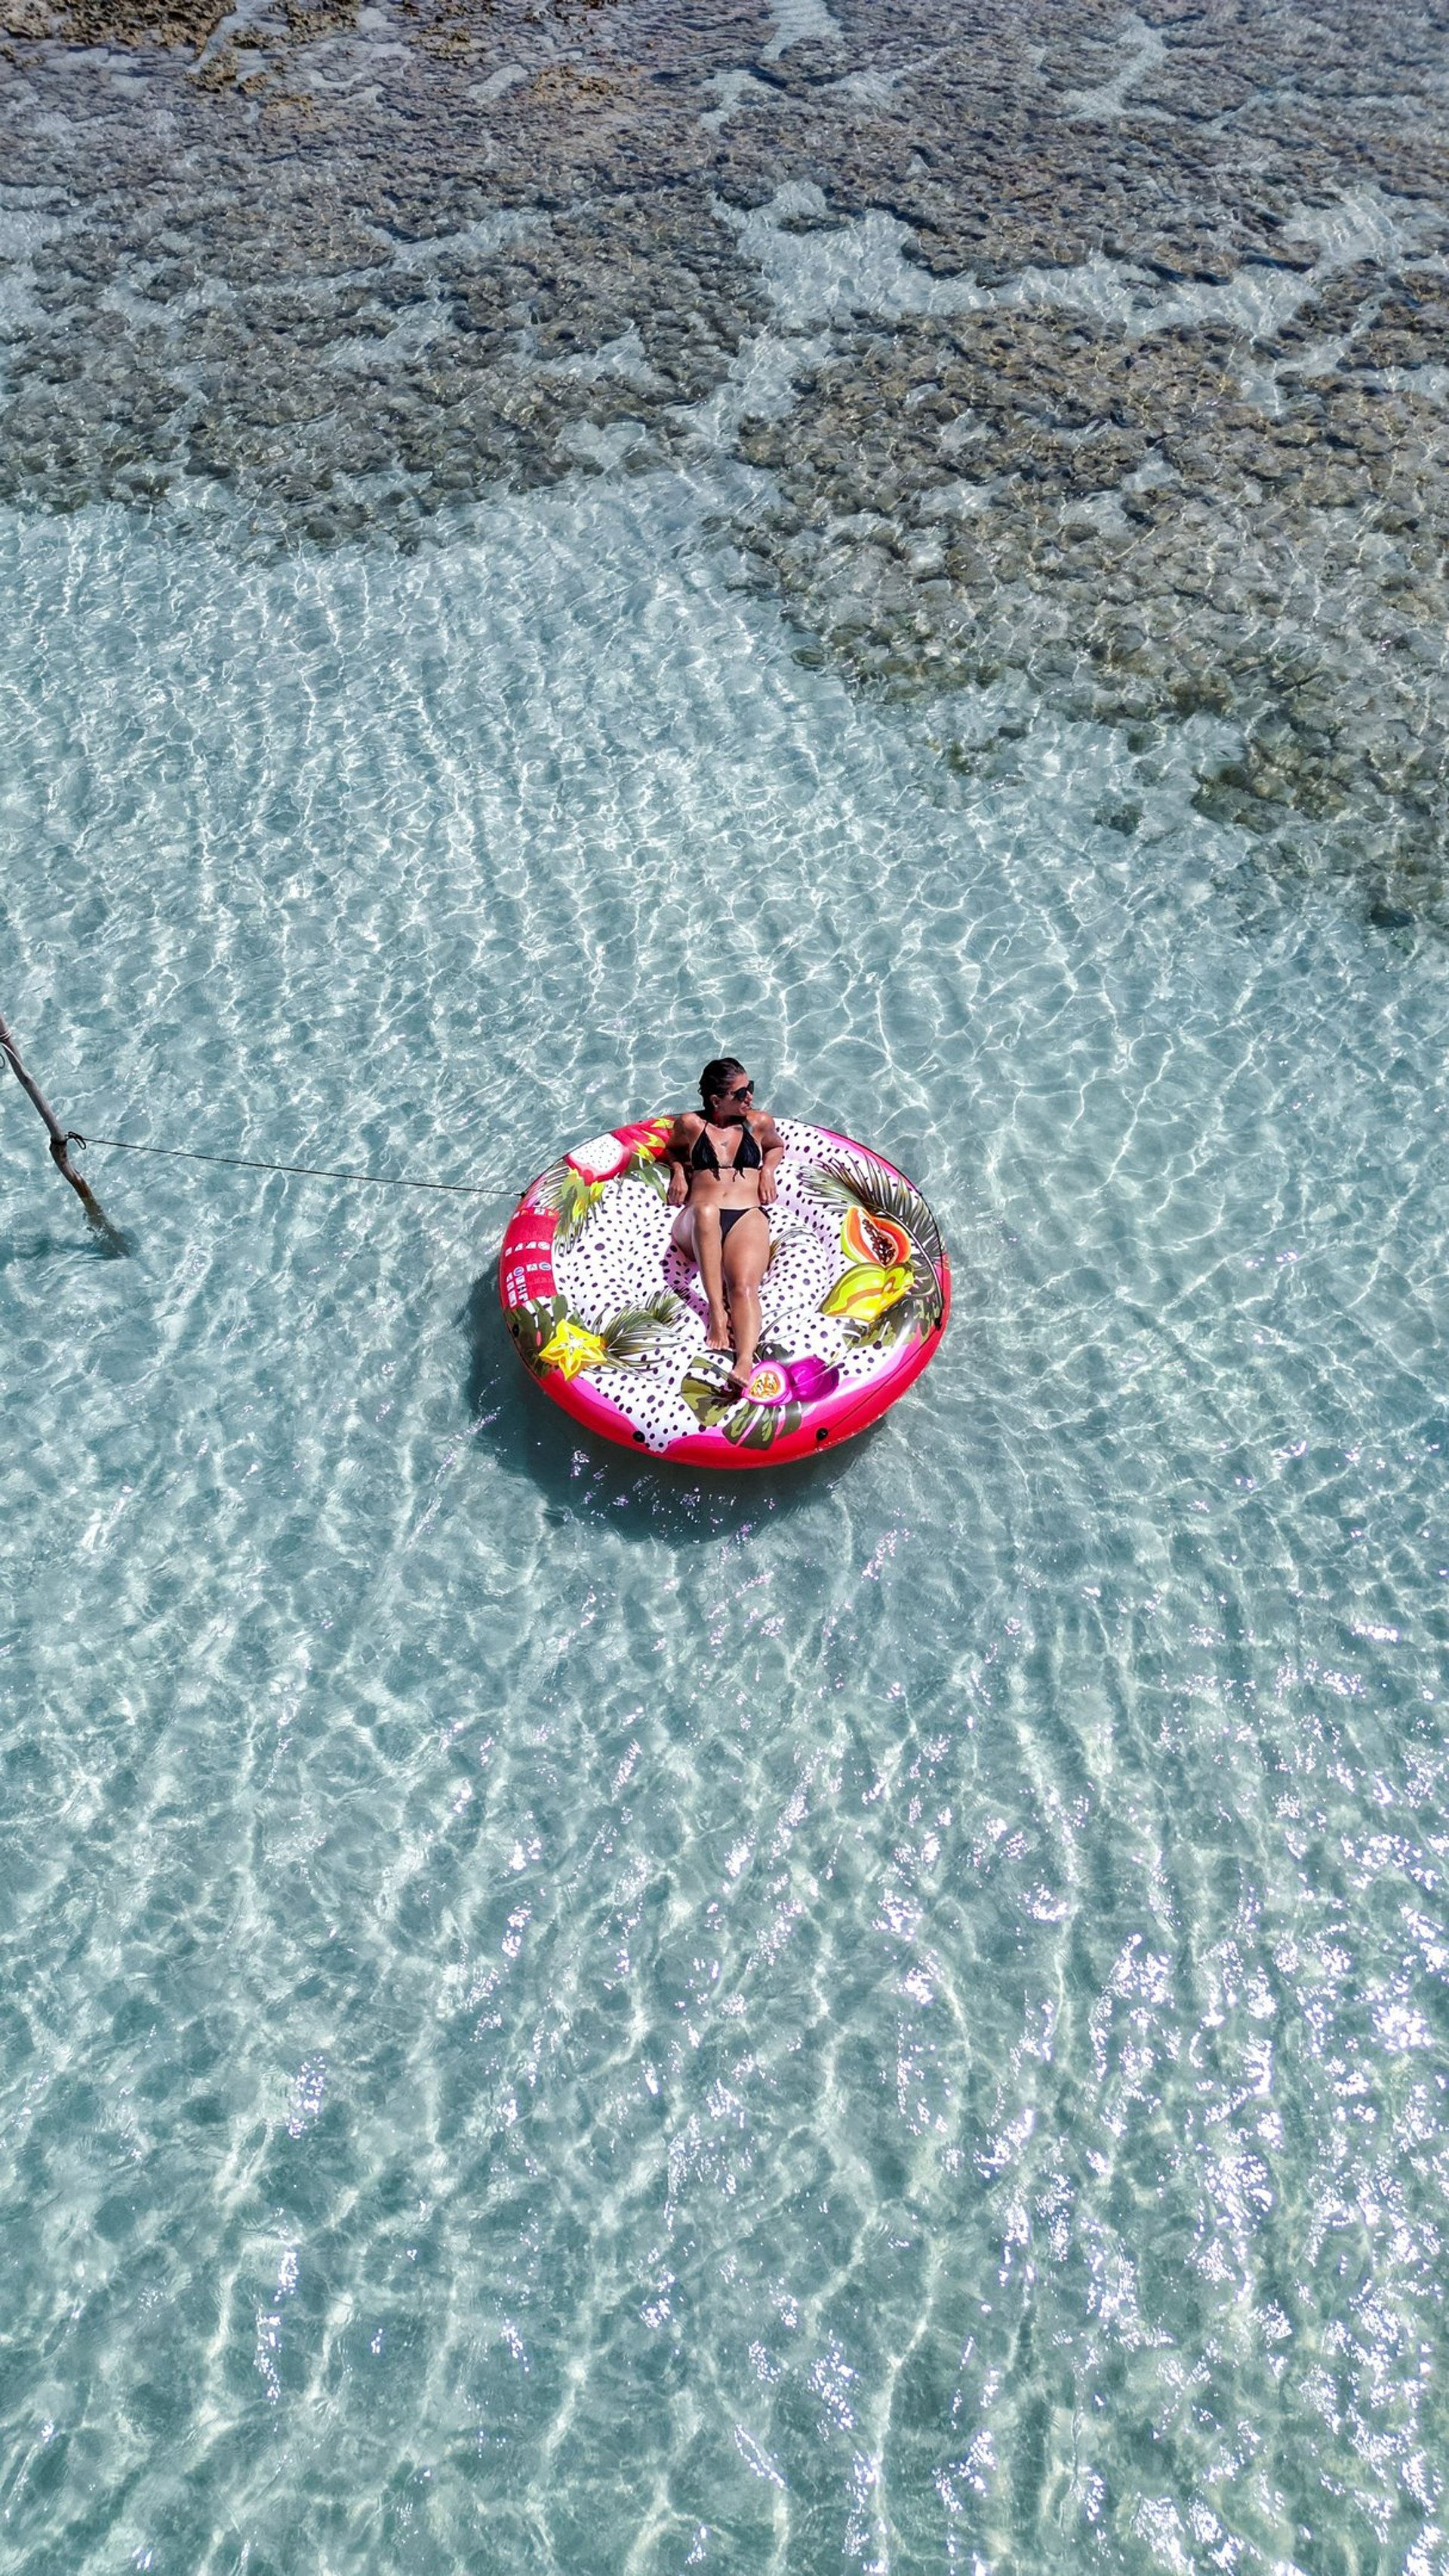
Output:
x=715 y=1078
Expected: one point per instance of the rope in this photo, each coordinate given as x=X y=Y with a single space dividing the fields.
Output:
x=309 y=1171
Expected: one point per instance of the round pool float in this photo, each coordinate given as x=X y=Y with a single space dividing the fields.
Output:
x=610 y=1320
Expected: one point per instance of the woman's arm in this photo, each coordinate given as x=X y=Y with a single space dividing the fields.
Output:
x=772 y=1147
x=676 y=1155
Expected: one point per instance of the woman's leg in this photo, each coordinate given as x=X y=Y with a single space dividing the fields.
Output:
x=706 y=1249
x=746 y=1255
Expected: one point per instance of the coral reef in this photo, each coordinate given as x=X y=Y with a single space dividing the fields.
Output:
x=1109 y=349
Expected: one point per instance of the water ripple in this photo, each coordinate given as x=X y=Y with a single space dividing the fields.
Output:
x=913 y=1994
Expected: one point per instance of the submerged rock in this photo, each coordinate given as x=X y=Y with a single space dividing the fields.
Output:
x=1384 y=914
x=1114 y=360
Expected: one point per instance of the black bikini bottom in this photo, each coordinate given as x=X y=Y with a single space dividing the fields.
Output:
x=732 y=1216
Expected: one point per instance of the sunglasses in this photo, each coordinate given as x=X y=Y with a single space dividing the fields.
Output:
x=746 y=1091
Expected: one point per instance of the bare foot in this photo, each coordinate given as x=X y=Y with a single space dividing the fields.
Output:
x=717 y=1334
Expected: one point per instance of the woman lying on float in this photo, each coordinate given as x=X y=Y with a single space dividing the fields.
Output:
x=722 y=1167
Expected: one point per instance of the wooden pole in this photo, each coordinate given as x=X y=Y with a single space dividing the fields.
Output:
x=60 y=1143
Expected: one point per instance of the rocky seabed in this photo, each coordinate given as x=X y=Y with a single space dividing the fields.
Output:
x=1044 y=354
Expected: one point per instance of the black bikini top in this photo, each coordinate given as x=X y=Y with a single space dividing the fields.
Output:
x=747 y=1155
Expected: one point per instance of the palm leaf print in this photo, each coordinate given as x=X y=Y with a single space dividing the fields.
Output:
x=851 y=1183
x=848 y=1183
x=637 y=1334
x=572 y=1199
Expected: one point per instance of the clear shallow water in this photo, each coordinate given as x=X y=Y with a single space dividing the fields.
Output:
x=558 y=2018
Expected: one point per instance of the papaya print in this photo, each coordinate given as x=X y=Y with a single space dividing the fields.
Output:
x=574 y=1186
x=891 y=1290
x=876 y=1239
x=549 y=1337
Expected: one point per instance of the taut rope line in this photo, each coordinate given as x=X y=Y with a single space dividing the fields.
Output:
x=309 y=1171
x=62 y=1139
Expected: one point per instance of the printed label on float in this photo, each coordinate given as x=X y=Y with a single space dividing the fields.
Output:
x=530 y=1260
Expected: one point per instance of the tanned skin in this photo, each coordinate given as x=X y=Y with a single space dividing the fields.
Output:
x=730 y=1270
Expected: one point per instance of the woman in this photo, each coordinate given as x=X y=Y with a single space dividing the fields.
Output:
x=722 y=1167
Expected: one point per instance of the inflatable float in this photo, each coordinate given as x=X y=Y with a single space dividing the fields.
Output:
x=609 y=1318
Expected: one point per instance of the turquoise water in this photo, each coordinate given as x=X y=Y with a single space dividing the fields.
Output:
x=561 y=2018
